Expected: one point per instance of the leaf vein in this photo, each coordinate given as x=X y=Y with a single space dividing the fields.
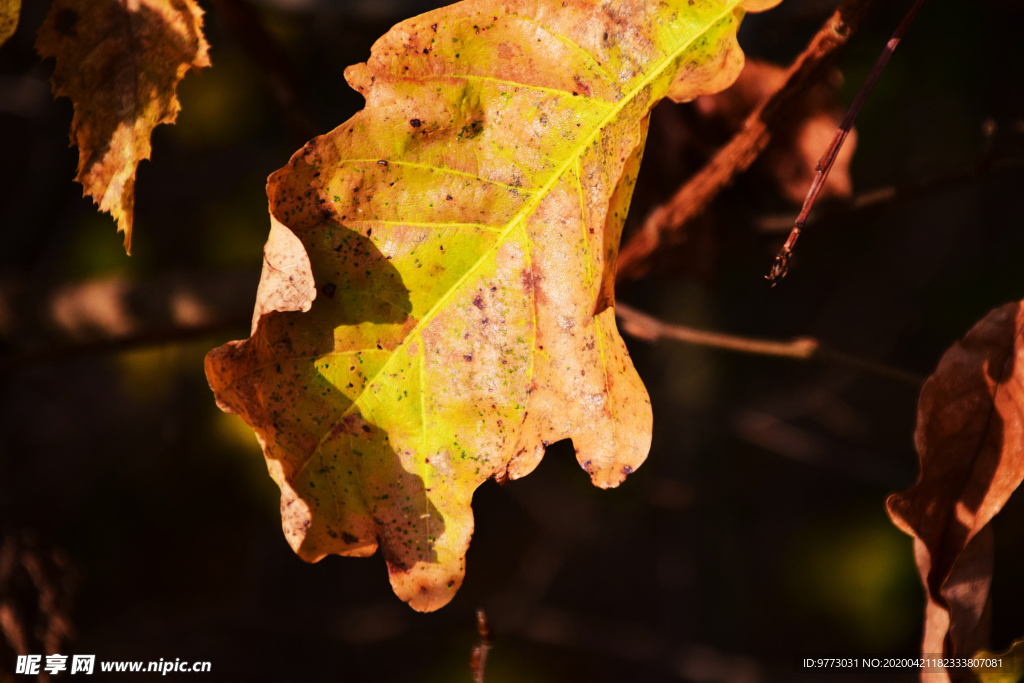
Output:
x=569 y=41
x=540 y=195
x=504 y=81
x=442 y=169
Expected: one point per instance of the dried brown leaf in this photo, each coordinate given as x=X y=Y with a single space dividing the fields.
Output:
x=120 y=62
x=970 y=439
x=801 y=137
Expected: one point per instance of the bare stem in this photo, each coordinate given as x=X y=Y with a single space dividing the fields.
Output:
x=478 y=660
x=781 y=265
x=746 y=146
x=895 y=194
x=648 y=328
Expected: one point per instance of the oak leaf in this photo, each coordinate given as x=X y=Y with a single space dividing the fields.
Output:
x=120 y=62
x=438 y=287
x=9 y=11
x=970 y=439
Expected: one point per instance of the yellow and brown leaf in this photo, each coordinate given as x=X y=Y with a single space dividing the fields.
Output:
x=437 y=299
x=120 y=62
x=9 y=11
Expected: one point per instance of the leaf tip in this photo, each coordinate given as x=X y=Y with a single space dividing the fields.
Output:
x=426 y=586
x=759 y=5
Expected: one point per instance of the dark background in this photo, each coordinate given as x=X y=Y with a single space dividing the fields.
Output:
x=754 y=534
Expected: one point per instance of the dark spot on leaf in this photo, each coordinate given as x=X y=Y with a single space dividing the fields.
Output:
x=478 y=301
x=329 y=290
x=527 y=278
x=348 y=538
x=416 y=123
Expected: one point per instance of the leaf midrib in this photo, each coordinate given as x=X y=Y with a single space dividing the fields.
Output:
x=525 y=212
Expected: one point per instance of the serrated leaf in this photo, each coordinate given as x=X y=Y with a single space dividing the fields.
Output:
x=120 y=62
x=459 y=236
x=9 y=11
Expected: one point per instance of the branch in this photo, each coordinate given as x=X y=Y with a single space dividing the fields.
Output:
x=781 y=265
x=478 y=660
x=891 y=194
x=650 y=329
x=744 y=148
x=113 y=315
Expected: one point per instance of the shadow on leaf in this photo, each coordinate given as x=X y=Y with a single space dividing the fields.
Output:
x=296 y=382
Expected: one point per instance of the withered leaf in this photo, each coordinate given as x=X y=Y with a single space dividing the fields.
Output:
x=799 y=139
x=9 y=11
x=970 y=439
x=438 y=290
x=120 y=62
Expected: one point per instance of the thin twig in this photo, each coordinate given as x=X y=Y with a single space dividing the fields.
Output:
x=781 y=265
x=891 y=194
x=744 y=148
x=648 y=328
x=478 y=660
